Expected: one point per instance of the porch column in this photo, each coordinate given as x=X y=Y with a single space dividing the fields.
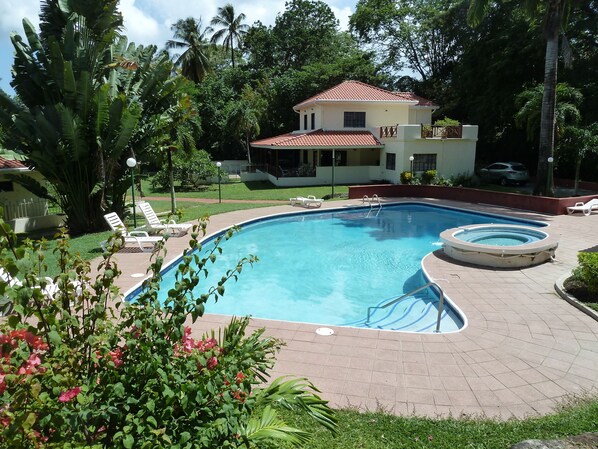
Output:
x=333 y=164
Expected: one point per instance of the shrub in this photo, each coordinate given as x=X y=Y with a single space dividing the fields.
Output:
x=587 y=272
x=466 y=180
x=447 y=122
x=406 y=177
x=428 y=176
x=189 y=169
x=73 y=375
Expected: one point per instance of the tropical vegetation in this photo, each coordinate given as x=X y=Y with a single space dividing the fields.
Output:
x=72 y=375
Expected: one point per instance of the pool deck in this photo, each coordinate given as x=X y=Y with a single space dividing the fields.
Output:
x=524 y=352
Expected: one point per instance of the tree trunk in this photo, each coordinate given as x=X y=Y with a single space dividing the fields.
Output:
x=577 y=170
x=544 y=179
x=232 y=55
x=171 y=182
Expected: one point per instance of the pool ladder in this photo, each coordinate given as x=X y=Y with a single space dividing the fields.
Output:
x=374 y=201
x=400 y=298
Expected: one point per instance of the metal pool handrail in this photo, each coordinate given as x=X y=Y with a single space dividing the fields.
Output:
x=423 y=287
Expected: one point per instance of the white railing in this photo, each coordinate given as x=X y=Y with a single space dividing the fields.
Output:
x=24 y=208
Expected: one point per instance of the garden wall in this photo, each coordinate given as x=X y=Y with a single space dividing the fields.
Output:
x=546 y=205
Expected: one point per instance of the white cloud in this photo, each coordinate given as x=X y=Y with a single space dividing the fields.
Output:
x=140 y=27
x=12 y=13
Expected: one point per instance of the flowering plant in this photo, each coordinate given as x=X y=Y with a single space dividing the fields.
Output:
x=81 y=368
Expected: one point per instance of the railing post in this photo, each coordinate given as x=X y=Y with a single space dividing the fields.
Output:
x=440 y=306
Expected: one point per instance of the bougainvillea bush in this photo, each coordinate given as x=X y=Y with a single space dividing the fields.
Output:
x=81 y=368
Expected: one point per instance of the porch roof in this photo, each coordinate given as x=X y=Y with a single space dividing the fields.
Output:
x=7 y=165
x=321 y=139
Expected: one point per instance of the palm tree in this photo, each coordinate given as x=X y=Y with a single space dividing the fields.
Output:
x=554 y=15
x=232 y=29
x=194 y=61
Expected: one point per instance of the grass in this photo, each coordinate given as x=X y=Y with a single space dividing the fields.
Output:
x=255 y=190
x=383 y=431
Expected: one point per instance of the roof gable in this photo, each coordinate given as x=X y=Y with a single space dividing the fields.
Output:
x=357 y=91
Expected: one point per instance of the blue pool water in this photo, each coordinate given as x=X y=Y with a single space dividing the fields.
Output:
x=329 y=267
x=500 y=236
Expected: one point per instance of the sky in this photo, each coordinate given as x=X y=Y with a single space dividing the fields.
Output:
x=149 y=21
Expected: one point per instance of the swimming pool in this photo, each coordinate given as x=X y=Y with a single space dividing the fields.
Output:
x=328 y=267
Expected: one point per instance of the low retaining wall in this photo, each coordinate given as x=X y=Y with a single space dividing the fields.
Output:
x=543 y=204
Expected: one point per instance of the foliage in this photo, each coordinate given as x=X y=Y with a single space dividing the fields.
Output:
x=189 y=169
x=529 y=104
x=587 y=271
x=406 y=177
x=73 y=375
x=428 y=176
x=190 y=35
x=232 y=30
x=423 y=36
x=578 y=143
x=87 y=100
x=465 y=180
x=446 y=121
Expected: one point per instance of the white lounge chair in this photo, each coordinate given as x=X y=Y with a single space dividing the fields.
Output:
x=49 y=290
x=142 y=239
x=586 y=208
x=154 y=224
x=307 y=202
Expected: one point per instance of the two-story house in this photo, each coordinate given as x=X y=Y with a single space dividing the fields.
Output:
x=371 y=134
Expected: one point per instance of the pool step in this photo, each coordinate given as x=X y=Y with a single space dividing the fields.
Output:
x=415 y=313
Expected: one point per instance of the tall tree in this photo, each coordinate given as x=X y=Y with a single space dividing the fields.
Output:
x=244 y=117
x=87 y=100
x=423 y=36
x=190 y=36
x=232 y=30
x=554 y=14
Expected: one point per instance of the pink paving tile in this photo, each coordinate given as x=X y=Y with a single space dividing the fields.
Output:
x=524 y=347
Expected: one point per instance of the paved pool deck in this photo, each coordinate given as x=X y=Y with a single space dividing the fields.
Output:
x=524 y=352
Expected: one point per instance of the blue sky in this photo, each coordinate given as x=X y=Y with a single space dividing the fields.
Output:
x=148 y=21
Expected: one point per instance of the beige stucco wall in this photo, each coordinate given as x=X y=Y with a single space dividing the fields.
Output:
x=330 y=116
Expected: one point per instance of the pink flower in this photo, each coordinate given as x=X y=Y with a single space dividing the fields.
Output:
x=68 y=396
x=116 y=357
x=212 y=362
x=29 y=367
x=239 y=378
x=2 y=384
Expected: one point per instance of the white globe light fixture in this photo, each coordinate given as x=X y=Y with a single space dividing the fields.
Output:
x=131 y=163
x=550 y=160
x=411 y=158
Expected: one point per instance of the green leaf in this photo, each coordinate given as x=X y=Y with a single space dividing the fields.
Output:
x=54 y=338
x=128 y=441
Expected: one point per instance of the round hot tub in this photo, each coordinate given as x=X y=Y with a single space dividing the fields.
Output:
x=499 y=245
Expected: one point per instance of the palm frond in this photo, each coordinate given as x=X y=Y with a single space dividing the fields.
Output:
x=269 y=427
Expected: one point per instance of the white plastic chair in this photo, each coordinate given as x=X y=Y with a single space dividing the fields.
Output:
x=142 y=239
x=586 y=208
x=154 y=224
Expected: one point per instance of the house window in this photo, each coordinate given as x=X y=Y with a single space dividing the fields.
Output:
x=313 y=120
x=423 y=162
x=305 y=122
x=391 y=161
x=354 y=120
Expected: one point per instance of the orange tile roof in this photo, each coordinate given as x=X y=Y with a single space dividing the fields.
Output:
x=358 y=91
x=10 y=164
x=322 y=139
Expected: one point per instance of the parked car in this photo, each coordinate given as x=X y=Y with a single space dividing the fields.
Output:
x=505 y=173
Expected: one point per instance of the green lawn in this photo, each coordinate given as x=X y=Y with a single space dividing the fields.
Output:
x=385 y=431
x=256 y=190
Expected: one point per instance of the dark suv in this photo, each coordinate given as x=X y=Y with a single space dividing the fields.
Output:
x=505 y=173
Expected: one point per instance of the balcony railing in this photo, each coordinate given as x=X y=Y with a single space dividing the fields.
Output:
x=443 y=132
x=388 y=131
x=30 y=207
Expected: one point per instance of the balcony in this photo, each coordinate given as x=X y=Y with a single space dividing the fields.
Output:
x=415 y=132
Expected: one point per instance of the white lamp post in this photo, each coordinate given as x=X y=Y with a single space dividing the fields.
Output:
x=411 y=158
x=219 y=164
x=131 y=163
x=550 y=160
